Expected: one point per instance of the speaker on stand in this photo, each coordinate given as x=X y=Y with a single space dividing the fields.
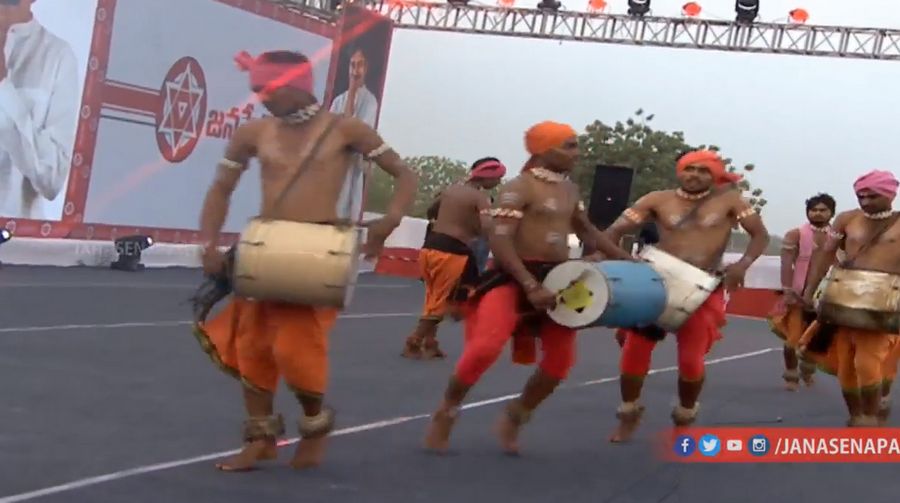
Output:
x=609 y=194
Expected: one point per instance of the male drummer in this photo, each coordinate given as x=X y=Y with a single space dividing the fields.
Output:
x=446 y=261
x=864 y=360
x=258 y=342
x=789 y=319
x=532 y=219
x=694 y=223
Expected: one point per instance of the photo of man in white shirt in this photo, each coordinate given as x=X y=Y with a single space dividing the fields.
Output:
x=357 y=101
x=39 y=100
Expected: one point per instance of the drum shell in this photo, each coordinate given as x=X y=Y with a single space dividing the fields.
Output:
x=298 y=263
x=865 y=300
x=687 y=287
x=625 y=294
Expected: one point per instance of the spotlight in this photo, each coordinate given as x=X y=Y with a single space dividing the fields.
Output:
x=129 y=249
x=549 y=5
x=638 y=8
x=747 y=10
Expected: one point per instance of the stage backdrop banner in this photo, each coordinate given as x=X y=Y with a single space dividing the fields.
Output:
x=359 y=74
x=47 y=60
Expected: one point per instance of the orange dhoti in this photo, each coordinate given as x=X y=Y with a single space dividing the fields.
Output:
x=861 y=359
x=447 y=266
x=258 y=342
x=789 y=323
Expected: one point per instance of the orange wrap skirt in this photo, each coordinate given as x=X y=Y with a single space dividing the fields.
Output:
x=859 y=358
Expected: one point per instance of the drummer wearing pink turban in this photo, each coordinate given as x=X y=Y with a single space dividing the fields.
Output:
x=865 y=361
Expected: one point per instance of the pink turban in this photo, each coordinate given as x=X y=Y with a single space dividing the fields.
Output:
x=883 y=183
x=488 y=169
x=271 y=76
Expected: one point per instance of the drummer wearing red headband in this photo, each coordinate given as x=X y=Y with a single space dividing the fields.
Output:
x=259 y=342
x=531 y=221
x=699 y=239
x=447 y=262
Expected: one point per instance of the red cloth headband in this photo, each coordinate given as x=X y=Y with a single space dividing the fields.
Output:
x=271 y=76
x=489 y=169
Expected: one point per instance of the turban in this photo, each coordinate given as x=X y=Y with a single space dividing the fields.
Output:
x=546 y=136
x=883 y=183
x=711 y=161
x=488 y=169
x=271 y=76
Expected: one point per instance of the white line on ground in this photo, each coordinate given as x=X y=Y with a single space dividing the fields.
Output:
x=140 y=470
x=140 y=324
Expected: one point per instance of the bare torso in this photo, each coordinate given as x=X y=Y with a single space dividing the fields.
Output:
x=544 y=230
x=458 y=213
x=703 y=240
x=282 y=149
x=882 y=255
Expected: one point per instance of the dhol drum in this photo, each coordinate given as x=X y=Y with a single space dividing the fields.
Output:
x=867 y=300
x=611 y=293
x=297 y=263
x=687 y=286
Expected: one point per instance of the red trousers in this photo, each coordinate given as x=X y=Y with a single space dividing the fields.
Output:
x=695 y=338
x=490 y=326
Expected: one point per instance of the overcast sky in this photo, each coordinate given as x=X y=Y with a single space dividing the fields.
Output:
x=809 y=124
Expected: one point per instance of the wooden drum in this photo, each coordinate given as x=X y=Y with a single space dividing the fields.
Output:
x=297 y=263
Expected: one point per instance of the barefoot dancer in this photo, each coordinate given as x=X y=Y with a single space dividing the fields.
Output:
x=258 y=342
x=789 y=319
x=865 y=361
x=701 y=241
x=447 y=262
x=535 y=213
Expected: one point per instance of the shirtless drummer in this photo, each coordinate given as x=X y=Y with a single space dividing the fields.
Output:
x=258 y=342
x=700 y=241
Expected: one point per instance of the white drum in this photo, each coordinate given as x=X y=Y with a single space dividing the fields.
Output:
x=687 y=286
x=297 y=263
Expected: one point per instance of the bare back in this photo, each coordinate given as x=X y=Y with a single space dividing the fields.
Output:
x=548 y=213
x=702 y=240
x=458 y=215
x=883 y=254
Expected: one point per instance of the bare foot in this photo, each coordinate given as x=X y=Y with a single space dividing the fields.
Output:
x=438 y=436
x=260 y=450
x=508 y=434
x=628 y=424
x=433 y=353
x=309 y=454
x=809 y=381
x=791 y=386
x=411 y=353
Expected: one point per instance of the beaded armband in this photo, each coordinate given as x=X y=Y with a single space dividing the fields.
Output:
x=746 y=213
x=632 y=215
x=378 y=151
x=229 y=164
x=580 y=206
x=788 y=246
x=502 y=213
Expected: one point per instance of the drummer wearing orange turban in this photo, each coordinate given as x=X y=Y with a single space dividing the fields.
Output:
x=865 y=361
x=533 y=216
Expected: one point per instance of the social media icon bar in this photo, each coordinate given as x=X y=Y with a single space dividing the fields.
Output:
x=710 y=445
x=684 y=446
x=734 y=445
x=759 y=445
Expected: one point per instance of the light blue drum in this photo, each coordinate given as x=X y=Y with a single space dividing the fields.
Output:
x=610 y=293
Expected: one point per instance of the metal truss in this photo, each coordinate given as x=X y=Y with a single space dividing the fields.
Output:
x=686 y=33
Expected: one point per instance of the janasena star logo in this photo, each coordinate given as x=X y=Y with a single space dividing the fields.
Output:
x=181 y=111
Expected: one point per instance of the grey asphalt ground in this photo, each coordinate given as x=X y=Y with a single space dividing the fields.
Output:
x=106 y=397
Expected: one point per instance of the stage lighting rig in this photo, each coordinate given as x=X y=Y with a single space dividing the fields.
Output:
x=129 y=249
x=747 y=11
x=549 y=5
x=458 y=3
x=638 y=8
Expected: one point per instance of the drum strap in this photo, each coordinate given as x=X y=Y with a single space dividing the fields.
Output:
x=848 y=263
x=307 y=162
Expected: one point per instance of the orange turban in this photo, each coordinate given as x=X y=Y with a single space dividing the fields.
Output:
x=546 y=136
x=711 y=161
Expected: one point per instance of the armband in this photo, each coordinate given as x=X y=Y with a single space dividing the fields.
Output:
x=786 y=246
x=378 y=151
x=746 y=213
x=632 y=215
x=580 y=206
x=835 y=234
x=229 y=164
x=502 y=213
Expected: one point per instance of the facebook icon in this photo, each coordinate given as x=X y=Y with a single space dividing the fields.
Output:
x=684 y=446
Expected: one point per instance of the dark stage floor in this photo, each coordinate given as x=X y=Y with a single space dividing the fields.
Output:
x=108 y=398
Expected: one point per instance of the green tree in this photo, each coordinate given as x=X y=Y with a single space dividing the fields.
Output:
x=651 y=153
x=435 y=173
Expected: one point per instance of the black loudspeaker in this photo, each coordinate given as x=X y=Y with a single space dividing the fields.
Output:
x=609 y=195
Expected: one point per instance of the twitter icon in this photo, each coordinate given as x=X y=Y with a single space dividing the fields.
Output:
x=709 y=445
